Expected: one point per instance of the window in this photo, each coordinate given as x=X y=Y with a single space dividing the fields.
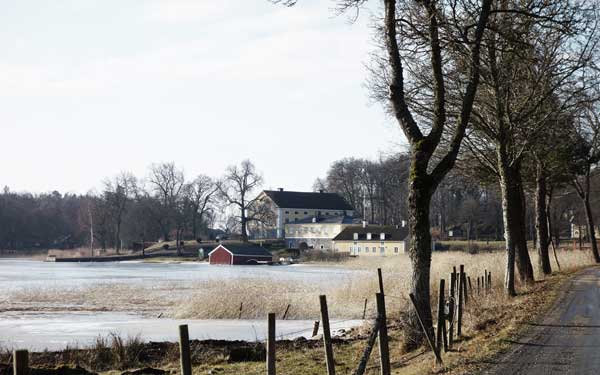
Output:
x=358 y=249
x=374 y=249
x=322 y=247
x=396 y=250
x=368 y=236
x=382 y=236
x=382 y=250
x=287 y=212
x=355 y=236
x=366 y=249
x=327 y=213
x=305 y=213
x=287 y=220
x=295 y=219
x=296 y=212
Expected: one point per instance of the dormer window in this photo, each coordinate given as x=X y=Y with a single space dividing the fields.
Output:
x=355 y=236
x=382 y=236
x=368 y=236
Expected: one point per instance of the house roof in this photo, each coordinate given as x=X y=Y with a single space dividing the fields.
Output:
x=341 y=219
x=245 y=249
x=392 y=233
x=309 y=200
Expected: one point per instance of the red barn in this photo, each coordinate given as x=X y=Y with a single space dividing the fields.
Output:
x=239 y=254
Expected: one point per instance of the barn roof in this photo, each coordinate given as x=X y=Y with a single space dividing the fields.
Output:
x=308 y=200
x=246 y=249
x=392 y=233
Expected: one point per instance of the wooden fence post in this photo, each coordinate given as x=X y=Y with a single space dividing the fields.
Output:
x=452 y=308
x=20 y=362
x=441 y=320
x=315 y=328
x=365 y=309
x=478 y=279
x=184 y=350
x=384 y=348
x=380 y=278
x=470 y=286
x=271 y=344
x=485 y=280
x=286 y=312
x=463 y=276
x=241 y=307
x=362 y=364
x=460 y=303
x=438 y=358
x=490 y=280
x=327 y=336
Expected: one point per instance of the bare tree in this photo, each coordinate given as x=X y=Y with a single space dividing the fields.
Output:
x=424 y=38
x=236 y=189
x=167 y=182
x=118 y=191
x=202 y=195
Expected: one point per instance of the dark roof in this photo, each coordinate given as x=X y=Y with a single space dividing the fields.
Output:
x=245 y=249
x=335 y=219
x=391 y=233
x=297 y=199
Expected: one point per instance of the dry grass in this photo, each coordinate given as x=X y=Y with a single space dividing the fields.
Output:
x=112 y=352
x=346 y=295
x=86 y=252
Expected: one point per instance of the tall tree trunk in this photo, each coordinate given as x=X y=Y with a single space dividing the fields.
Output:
x=523 y=259
x=541 y=220
x=590 y=227
x=508 y=218
x=419 y=199
x=244 y=224
x=514 y=226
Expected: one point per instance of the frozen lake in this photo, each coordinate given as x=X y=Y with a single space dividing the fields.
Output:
x=55 y=331
x=17 y=273
x=35 y=314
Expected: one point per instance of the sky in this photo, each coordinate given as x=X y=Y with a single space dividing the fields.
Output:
x=92 y=88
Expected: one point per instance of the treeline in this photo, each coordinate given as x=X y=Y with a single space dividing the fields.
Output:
x=467 y=203
x=128 y=210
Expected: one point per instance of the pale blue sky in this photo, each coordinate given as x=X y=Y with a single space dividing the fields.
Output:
x=92 y=88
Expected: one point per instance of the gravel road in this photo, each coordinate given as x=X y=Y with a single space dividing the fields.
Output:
x=566 y=340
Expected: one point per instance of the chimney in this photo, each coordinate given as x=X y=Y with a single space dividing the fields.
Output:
x=364 y=223
x=280 y=189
